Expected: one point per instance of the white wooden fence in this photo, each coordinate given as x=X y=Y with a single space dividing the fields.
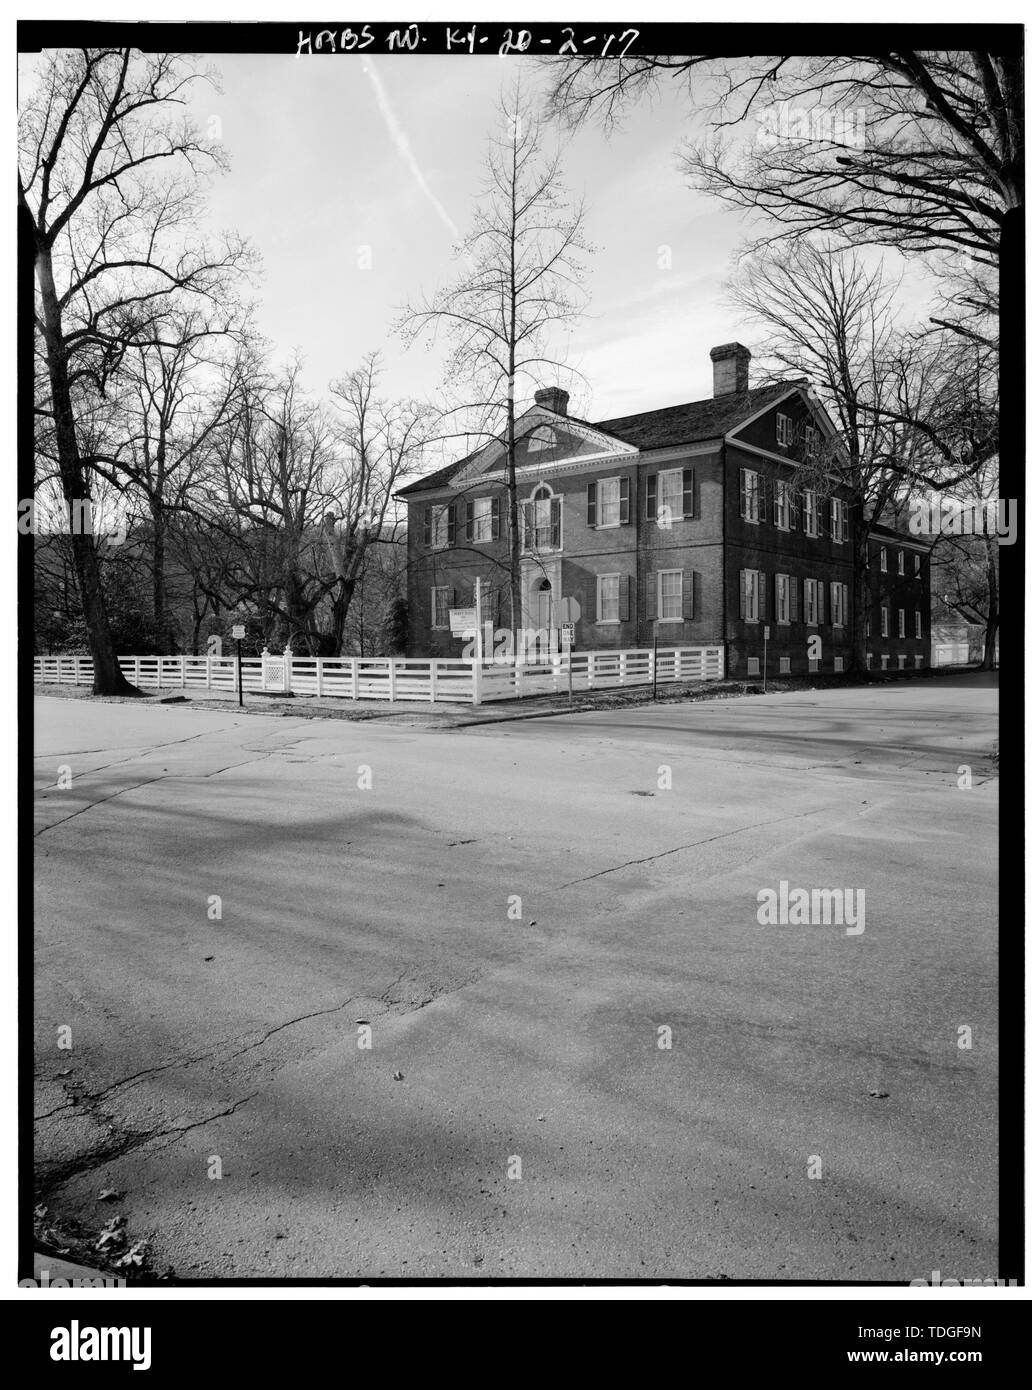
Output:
x=438 y=680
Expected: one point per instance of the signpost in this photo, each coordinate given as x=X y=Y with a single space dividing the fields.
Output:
x=766 y=636
x=238 y=632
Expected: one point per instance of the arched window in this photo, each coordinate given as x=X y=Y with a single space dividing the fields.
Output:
x=542 y=520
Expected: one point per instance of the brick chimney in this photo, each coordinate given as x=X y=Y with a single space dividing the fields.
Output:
x=730 y=369
x=553 y=398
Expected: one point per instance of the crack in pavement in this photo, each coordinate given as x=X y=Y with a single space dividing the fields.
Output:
x=86 y=1099
x=129 y=1140
x=99 y=802
x=678 y=849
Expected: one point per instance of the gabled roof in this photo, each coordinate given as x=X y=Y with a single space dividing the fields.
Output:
x=691 y=423
x=697 y=420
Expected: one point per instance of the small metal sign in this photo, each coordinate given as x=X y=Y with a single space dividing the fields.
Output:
x=239 y=631
x=766 y=634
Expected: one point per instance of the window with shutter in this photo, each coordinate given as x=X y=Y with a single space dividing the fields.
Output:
x=820 y=602
x=691 y=585
x=496 y=518
x=625 y=598
x=650 y=497
x=625 y=501
x=610 y=597
x=761 y=595
x=671 y=583
x=688 y=492
x=440 y=596
x=671 y=495
x=793 y=599
x=469 y=521
x=609 y=501
x=557 y=523
x=650 y=598
x=592 y=504
x=428 y=526
x=452 y=522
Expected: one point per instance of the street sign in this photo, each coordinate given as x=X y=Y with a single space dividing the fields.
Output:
x=568 y=634
x=239 y=631
x=766 y=634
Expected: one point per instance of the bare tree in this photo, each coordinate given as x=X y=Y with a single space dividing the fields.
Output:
x=108 y=194
x=380 y=444
x=921 y=151
x=912 y=413
x=522 y=278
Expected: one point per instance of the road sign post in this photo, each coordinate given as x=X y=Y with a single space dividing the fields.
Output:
x=238 y=632
x=766 y=635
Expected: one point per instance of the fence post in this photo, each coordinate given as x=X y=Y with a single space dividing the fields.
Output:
x=433 y=682
x=354 y=677
x=392 y=678
x=478 y=693
x=318 y=675
x=623 y=668
x=288 y=658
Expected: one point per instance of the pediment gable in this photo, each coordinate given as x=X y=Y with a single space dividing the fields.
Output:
x=544 y=440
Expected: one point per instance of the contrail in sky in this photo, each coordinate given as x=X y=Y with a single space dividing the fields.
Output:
x=404 y=149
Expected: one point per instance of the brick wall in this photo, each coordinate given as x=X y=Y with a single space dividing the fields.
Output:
x=768 y=550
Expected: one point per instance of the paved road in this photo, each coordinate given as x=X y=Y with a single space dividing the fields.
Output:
x=529 y=1045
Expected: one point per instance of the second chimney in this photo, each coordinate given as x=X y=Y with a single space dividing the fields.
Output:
x=730 y=369
x=553 y=398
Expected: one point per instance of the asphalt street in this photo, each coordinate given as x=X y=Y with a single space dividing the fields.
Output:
x=348 y=1000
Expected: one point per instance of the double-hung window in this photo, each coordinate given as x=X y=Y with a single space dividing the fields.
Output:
x=838 y=605
x=609 y=598
x=810 y=512
x=838 y=519
x=670 y=494
x=751 y=495
x=482 y=518
x=781 y=505
x=781 y=597
x=609 y=502
x=671 y=595
x=784 y=429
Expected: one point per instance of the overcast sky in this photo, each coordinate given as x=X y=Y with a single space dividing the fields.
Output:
x=331 y=156
x=387 y=153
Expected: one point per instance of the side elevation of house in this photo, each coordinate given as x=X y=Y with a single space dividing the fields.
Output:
x=707 y=523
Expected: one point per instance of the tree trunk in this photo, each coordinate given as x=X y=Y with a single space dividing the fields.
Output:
x=861 y=598
x=515 y=597
x=992 y=621
x=107 y=674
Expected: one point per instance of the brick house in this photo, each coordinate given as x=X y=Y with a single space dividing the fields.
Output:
x=899 y=618
x=688 y=520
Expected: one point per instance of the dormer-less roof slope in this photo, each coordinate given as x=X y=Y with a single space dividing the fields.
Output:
x=712 y=418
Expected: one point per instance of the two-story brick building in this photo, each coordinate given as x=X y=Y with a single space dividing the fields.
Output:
x=706 y=523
